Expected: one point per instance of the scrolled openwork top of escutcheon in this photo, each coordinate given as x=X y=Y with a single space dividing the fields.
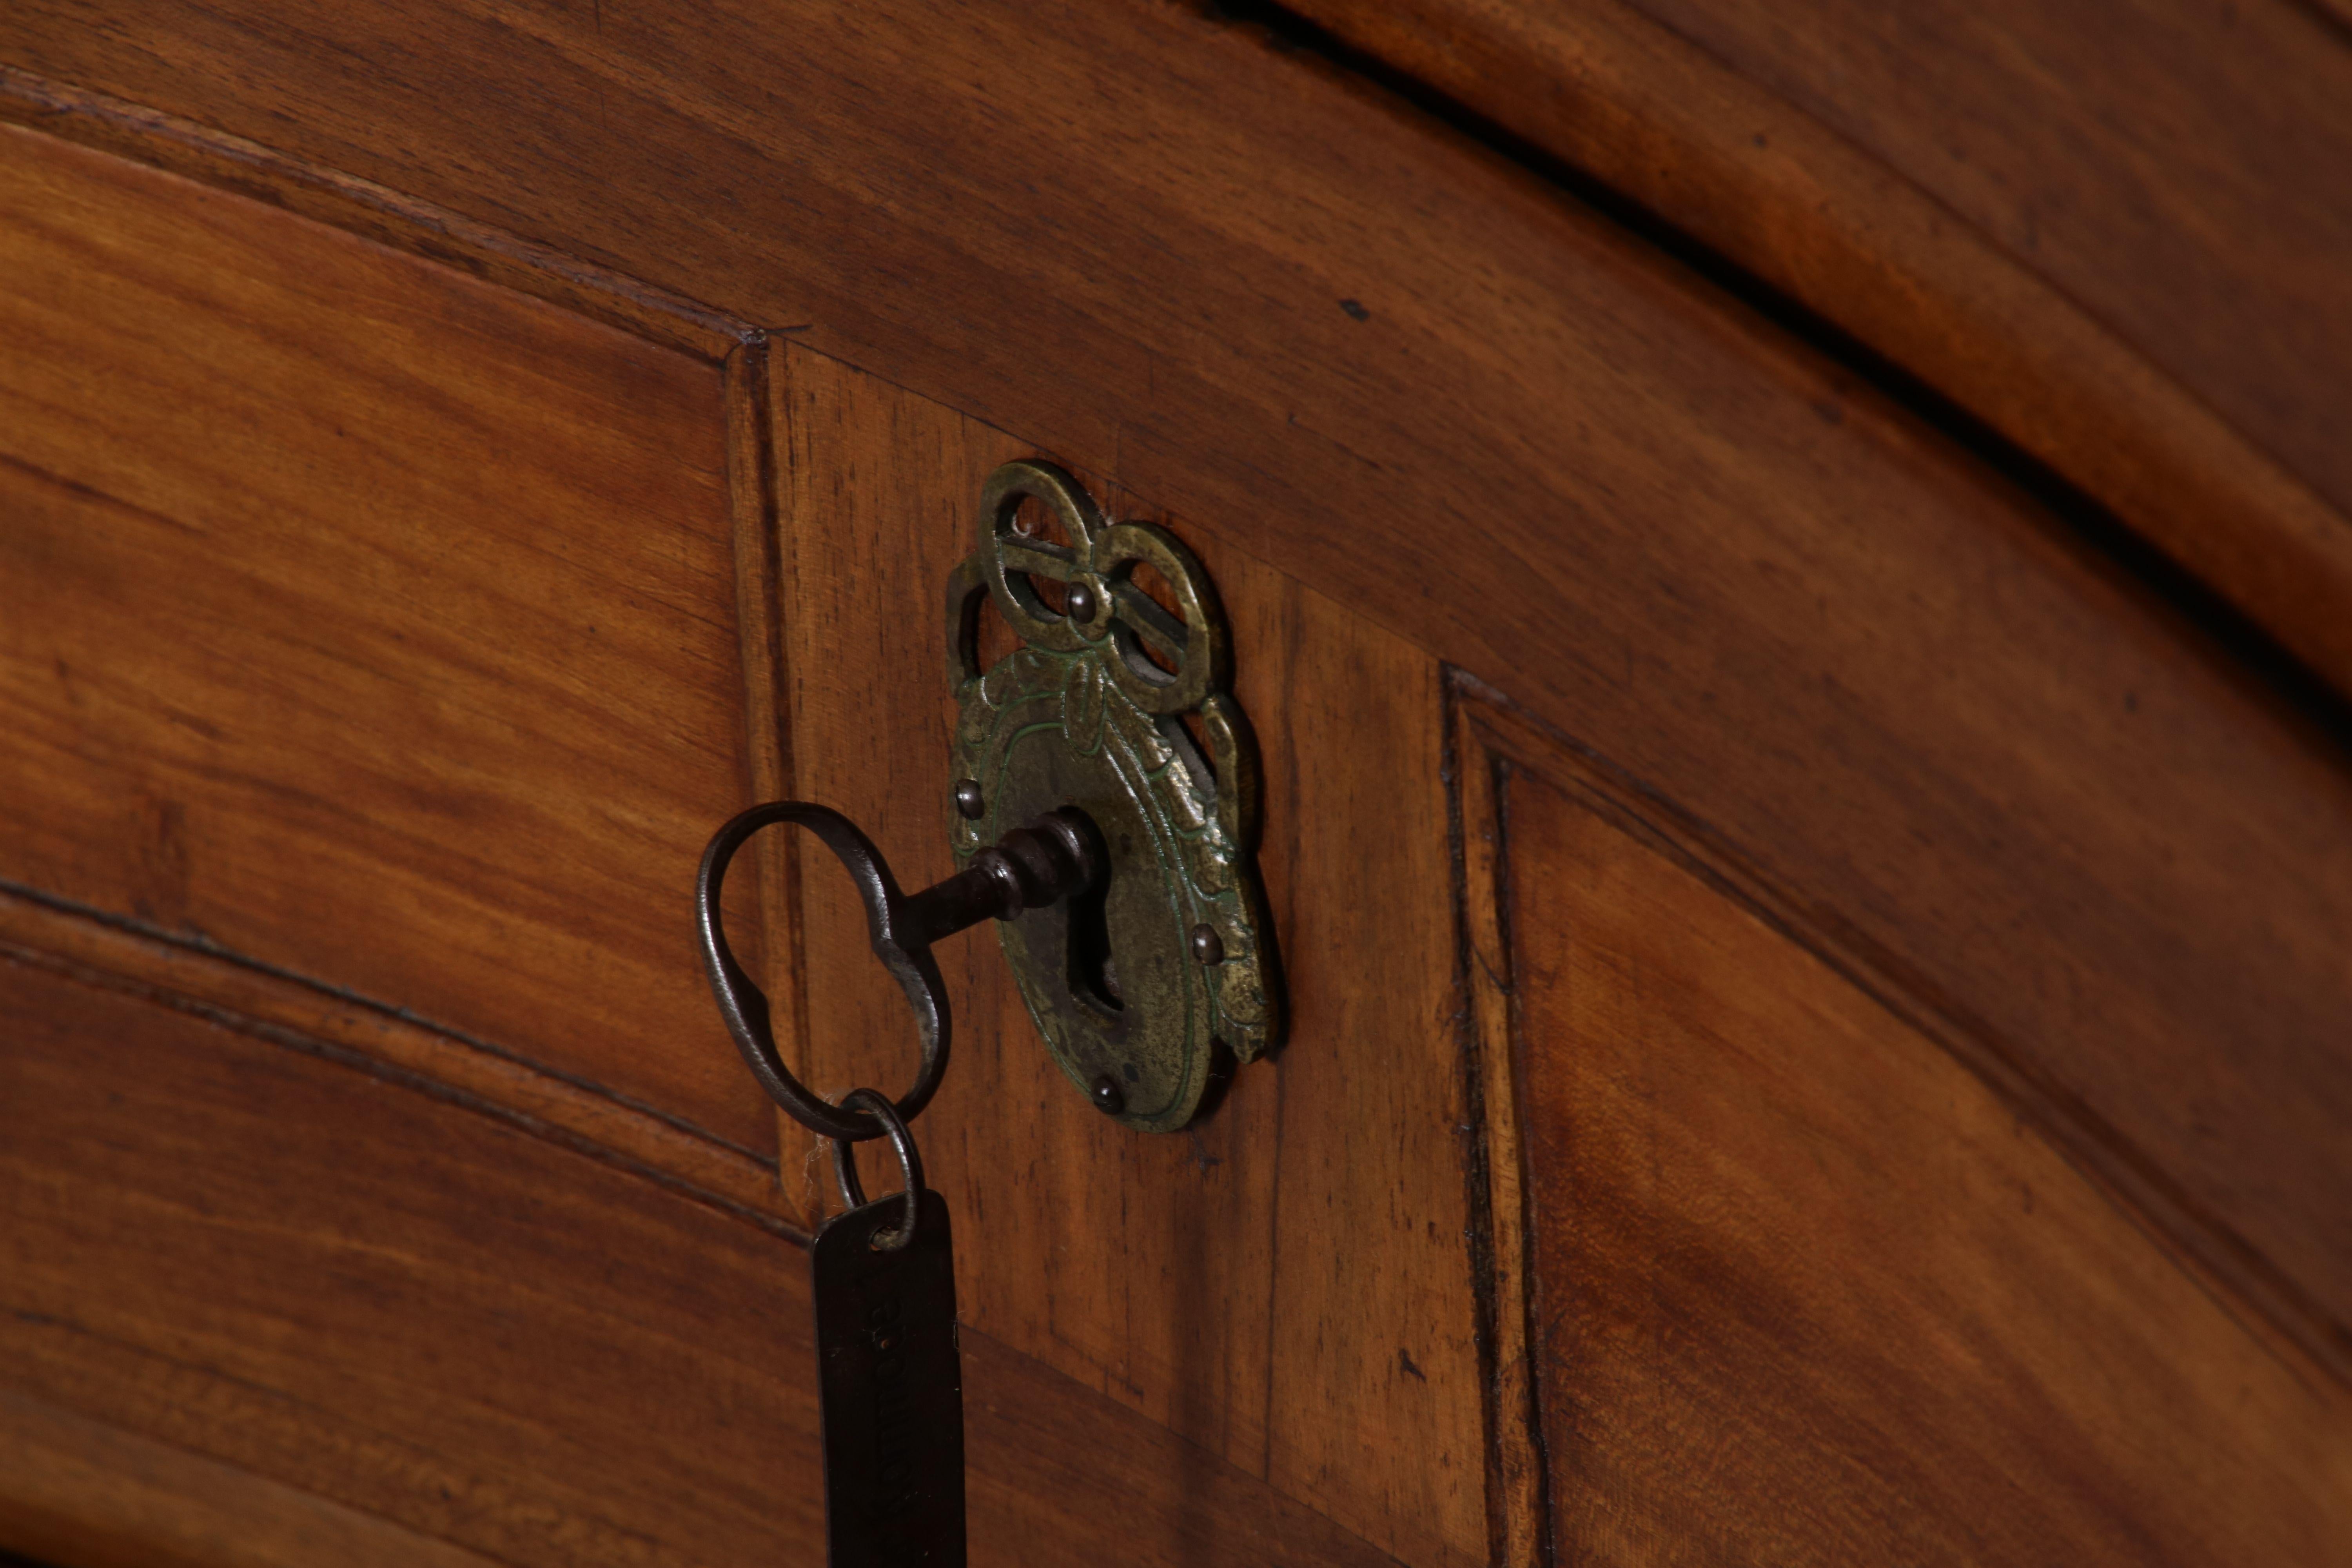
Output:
x=1117 y=703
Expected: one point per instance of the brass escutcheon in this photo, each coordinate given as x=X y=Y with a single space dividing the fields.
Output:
x=1150 y=986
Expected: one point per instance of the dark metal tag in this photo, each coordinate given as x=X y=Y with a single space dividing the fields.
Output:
x=892 y=1386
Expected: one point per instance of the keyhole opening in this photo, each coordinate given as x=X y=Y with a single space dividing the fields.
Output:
x=1094 y=971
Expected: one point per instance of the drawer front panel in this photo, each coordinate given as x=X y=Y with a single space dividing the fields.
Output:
x=365 y=620
x=336 y=1276
x=1800 y=1288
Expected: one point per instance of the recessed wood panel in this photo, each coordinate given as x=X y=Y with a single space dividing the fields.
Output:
x=365 y=619
x=242 y=1266
x=1804 y=1289
x=1284 y=1282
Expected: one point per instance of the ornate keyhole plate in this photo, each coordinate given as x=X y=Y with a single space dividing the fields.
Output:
x=1150 y=987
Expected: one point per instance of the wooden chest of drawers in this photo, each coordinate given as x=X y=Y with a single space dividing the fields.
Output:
x=1799 y=666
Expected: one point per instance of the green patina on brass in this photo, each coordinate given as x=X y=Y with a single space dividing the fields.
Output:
x=1082 y=714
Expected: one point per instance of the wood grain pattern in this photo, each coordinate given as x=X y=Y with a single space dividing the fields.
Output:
x=74 y=1491
x=367 y=1293
x=375 y=212
x=1531 y=448
x=1519 y=1506
x=2180 y=168
x=394 y=1300
x=1283 y=1283
x=366 y=620
x=179 y=972
x=1650 y=113
x=1808 y=1291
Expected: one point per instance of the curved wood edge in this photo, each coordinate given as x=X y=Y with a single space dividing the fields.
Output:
x=1489 y=731
x=96 y=1496
x=1781 y=197
x=371 y=211
x=117 y=955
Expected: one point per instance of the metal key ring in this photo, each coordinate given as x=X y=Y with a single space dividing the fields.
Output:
x=744 y=1005
x=910 y=1166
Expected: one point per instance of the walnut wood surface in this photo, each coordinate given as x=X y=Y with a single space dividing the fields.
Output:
x=84 y=1495
x=365 y=619
x=1805 y=1291
x=1988 y=299
x=1520 y=1507
x=182 y=973
x=366 y=1293
x=1535 y=450
x=1284 y=1282
x=2184 y=169
x=412 y=1314
x=372 y=211
x=1339 y=344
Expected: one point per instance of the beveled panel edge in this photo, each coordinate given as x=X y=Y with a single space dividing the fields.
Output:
x=371 y=211
x=1490 y=731
x=755 y=482
x=1518 y=1489
x=118 y=954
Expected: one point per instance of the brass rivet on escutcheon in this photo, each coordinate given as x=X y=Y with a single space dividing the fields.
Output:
x=1108 y=1098
x=1208 y=947
x=969 y=802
